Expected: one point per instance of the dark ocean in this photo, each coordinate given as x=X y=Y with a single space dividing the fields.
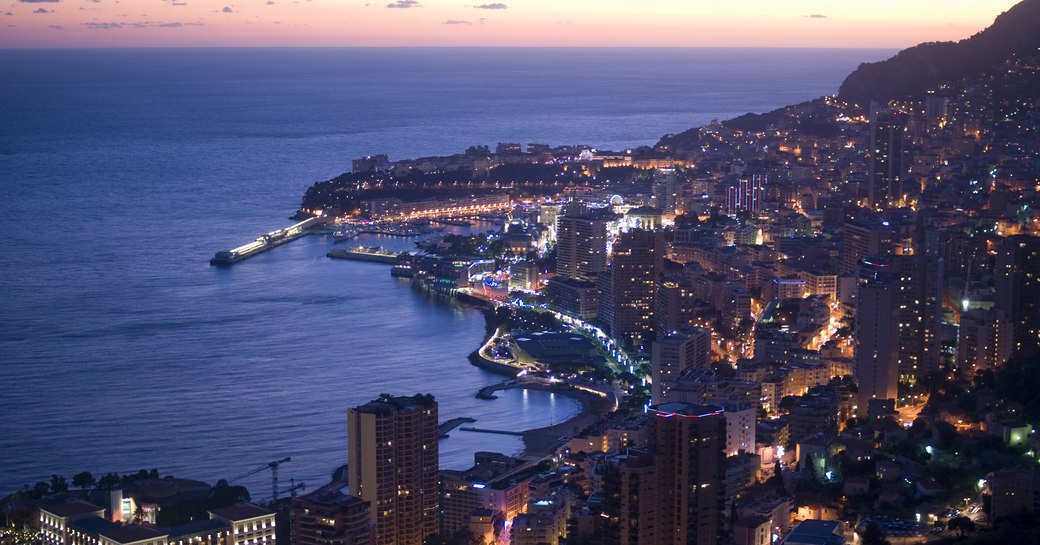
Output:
x=123 y=171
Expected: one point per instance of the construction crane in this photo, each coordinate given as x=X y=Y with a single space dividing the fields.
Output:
x=293 y=487
x=273 y=466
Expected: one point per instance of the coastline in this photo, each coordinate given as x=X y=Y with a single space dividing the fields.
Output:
x=540 y=442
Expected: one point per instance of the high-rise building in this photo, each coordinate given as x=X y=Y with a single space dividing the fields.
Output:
x=575 y=297
x=886 y=159
x=678 y=352
x=1018 y=291
x=331 y=518
x=741 y=418
x=674 y=307
x=667 y=185
x=898 y=306
x=687 y=443
x=917 y=286
x=747 y=195
x=581 y=243
x=861 y=239
x=983 y=341
x=876 y=366
x=629 y=290
x=638 y=507
x=392 y=464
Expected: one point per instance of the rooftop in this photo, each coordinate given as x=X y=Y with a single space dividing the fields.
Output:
x=71 y=508
x=197 y=527
x=814 y=532
x=685 y=410
x=329 y=498
x=242 y=511
x=130 y=534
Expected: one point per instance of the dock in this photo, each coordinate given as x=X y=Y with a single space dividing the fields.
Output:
x=268 y=241
x=500 y=432
x=453 y=222
x=365 y=253
x=392 y=230
x=444 y=427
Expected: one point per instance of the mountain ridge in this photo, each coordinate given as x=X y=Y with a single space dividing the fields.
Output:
x=913 y=71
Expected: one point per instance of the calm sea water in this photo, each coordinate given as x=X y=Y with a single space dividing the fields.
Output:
x=124 y=170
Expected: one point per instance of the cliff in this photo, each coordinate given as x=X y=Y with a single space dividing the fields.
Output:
x=917 y=69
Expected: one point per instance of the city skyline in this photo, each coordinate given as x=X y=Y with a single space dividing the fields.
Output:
x=317 y=23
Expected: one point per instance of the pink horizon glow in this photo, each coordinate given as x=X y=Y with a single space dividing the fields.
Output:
x=653 y=23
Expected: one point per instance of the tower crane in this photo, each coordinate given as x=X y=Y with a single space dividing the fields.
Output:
x=293 y=487
x=273 y=466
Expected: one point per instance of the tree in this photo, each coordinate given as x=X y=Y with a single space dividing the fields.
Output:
x=40 y=489
x=109 y=481
x=873 y=535
x=83 y=480
x=58 y=484
x=962 y=525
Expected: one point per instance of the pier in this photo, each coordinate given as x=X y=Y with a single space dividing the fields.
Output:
x=444 y=427
x=500 y=432
x=268 y=241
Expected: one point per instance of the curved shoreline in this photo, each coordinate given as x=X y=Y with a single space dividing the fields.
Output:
x=541 y=442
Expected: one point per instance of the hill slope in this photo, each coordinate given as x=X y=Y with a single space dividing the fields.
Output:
x=913 y=71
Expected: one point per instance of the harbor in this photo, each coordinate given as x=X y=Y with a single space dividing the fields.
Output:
x=268 y=241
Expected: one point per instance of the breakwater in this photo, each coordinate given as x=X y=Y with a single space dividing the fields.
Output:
x=268 y=241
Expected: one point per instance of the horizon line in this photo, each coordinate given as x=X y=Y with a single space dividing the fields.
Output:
x=618 y=47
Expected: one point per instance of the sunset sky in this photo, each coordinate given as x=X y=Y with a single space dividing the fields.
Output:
x=743 y=23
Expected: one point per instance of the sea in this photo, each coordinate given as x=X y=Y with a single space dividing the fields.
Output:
x=123 y=171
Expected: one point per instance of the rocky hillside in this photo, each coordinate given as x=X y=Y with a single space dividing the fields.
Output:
x=913 y=71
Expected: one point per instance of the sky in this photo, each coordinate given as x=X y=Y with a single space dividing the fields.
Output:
x=591 y=23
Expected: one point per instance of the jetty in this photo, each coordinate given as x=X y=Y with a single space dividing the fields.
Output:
x=444 y=427
x=365 y=253
x=268 y=241
x=500 y=432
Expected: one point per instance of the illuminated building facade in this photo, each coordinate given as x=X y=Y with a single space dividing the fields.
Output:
x=916 y=282
x=1018 y=291
x=747 y=195
x=392 y=456
x=331 y=518
x=667 y=185
x=863 y=239
x=581 y=244
x=629 y=288
x=250 y=524
x=678 y=352
x=887 y=138
x=687 y=444
x=876 y=367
